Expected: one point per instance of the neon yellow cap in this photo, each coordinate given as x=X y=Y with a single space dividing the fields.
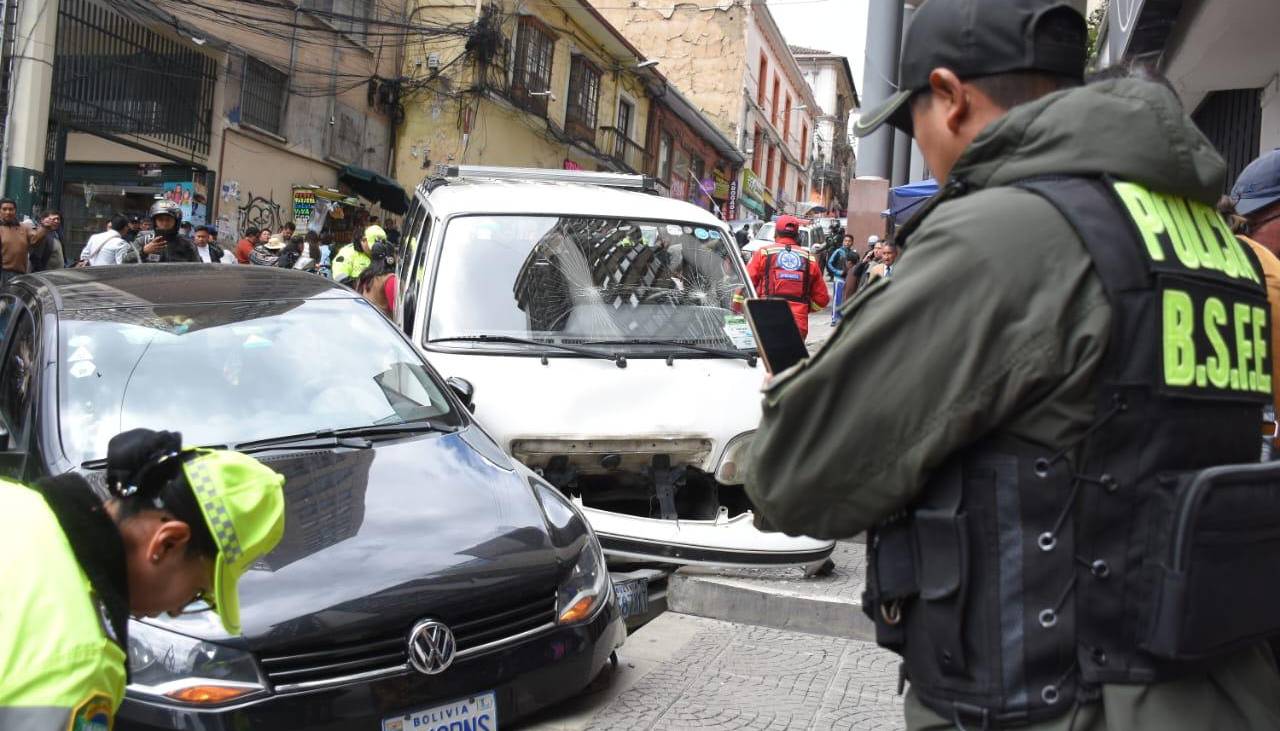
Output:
x=243 y=503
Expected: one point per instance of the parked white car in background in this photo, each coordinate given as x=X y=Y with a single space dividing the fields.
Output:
x=764 y=237
x=602 y=330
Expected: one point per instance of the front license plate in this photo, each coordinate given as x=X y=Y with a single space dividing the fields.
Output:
x=633 y=596
x=477 y=713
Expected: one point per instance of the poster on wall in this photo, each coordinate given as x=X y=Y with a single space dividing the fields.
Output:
x=199 y=203
x=182 y=195
x=304 y=204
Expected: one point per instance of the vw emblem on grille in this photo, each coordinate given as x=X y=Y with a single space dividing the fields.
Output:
x=431 y=647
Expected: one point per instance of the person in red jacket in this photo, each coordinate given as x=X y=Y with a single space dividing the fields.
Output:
x=788 y=271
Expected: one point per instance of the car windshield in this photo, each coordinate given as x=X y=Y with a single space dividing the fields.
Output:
x=767 y=230
x=232 y=373
x=589 y=281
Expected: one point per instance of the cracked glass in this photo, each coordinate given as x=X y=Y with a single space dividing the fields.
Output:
x=596 y=281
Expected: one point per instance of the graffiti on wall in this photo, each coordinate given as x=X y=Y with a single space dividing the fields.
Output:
x=261 y=212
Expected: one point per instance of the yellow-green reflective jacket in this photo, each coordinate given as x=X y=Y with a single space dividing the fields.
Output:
x=349 y=263
x=59 y=665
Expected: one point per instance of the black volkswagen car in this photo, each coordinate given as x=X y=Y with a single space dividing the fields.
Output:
x=424 y=577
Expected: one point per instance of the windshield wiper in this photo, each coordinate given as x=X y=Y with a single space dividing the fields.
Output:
x=414 y=426
x=318 y=439
x=618 y=358
x=353 y=437
x=749 y=356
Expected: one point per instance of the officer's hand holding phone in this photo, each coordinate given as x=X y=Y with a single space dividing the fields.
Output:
x=155 y=245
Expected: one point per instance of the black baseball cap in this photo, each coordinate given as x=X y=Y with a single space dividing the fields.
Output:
x=979 y=38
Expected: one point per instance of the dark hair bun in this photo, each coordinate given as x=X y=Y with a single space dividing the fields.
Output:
x=129 y=452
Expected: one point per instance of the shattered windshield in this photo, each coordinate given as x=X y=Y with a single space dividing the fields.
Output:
x=589 y=281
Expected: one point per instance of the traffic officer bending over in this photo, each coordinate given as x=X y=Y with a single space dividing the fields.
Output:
x=181 y=526
x=1069 y=339
x=788 y=271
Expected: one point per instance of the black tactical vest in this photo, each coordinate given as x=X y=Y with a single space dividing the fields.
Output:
x=1027 y=575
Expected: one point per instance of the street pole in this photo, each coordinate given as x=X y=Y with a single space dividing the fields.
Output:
x=902 y=140
x=879 y=82
x=27 y=127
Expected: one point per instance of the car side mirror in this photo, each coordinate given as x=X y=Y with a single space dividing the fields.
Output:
x=464 y=391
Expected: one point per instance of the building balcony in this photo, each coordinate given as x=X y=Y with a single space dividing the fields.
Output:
x=825 y=170
x=621 y=150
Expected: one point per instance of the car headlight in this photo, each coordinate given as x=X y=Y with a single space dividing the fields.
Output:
x=735 y=463
x=586 y=588
x=175 y=667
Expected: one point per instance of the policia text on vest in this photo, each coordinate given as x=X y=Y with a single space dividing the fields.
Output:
x=1212 y=342
x=1025 y=577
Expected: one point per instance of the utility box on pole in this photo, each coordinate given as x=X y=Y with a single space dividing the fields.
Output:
x=31 y=85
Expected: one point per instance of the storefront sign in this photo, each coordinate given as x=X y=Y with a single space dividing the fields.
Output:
x=150 y=170
x=722 y=186
x=731 y=207
x=304 y=204
x=707 y=187
x=751 y=186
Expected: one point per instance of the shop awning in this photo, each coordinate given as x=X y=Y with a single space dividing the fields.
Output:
x=378 y=188
x=904 y=199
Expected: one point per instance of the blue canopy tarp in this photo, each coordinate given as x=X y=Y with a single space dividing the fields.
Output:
x=905 y=199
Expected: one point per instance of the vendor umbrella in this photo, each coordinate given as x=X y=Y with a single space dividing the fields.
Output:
x=375 y=187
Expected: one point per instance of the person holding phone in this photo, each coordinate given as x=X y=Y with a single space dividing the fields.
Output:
x=1046 y=372
x=163 y=243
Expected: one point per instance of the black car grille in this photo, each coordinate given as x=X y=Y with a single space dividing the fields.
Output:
x=473 y=633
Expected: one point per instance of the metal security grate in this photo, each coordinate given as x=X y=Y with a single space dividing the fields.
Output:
x=475 y=634
x=113 y=75
x=262 y=95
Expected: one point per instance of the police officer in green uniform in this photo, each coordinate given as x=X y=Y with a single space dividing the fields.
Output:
x=1070 y=343
x=181 y=526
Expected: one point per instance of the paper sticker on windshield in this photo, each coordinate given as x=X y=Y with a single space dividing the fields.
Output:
x=673 y=229
x=82 y=353
x=739 y=332
x=701 y=233
x=714 y=234
x=83 y=369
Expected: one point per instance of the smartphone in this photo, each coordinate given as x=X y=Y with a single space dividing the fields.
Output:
x=777 y=337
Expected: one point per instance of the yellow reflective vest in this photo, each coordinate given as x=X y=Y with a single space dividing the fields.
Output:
x=350 y=263
x=60 y=667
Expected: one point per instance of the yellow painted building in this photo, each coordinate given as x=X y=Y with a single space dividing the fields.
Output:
x=548 y=84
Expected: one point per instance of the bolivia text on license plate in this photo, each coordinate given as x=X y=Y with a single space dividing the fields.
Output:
x=477 y=713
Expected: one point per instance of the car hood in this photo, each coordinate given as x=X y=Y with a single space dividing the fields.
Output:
x=518 y=398
x=376 y=539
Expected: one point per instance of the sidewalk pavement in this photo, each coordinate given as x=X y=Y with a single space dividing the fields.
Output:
x=681 y=673
x=820 y=328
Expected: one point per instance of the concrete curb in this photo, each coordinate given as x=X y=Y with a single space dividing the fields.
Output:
x=748 y=602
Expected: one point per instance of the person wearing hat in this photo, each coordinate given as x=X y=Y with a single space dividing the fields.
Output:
x=1054 y=357
x=181 y=526
x=1256 y=195
x=786 y=270
x=351 y=261
x=268 y=254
